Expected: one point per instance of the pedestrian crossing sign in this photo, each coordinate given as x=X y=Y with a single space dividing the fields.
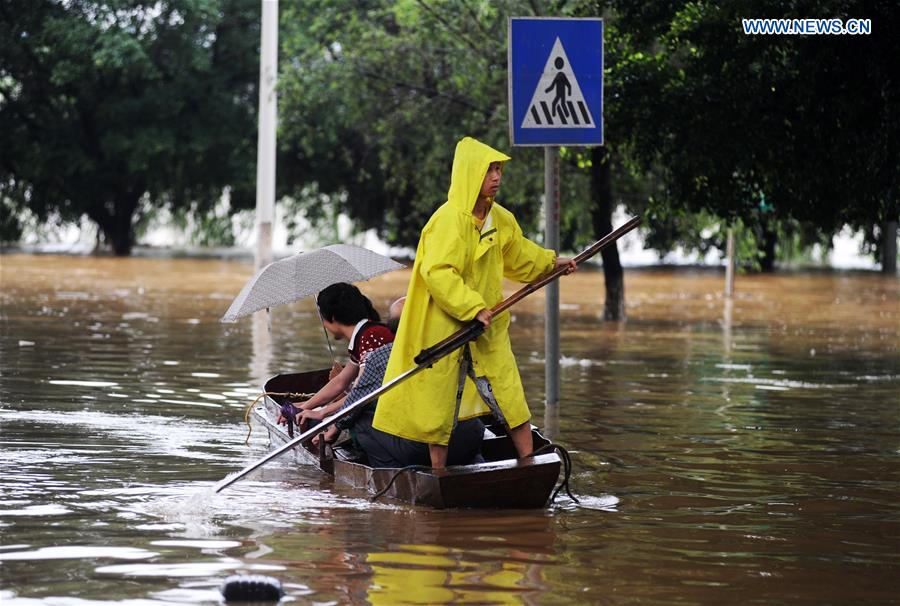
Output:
x=556 y=81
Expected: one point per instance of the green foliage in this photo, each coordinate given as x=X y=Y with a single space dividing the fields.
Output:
x=374 y=97
x=807 y=122
x=212 y=229
x=10 y=225
x=702 y=232
x=797 y=241
x=116 y=109
x=312 y=206
x=104 y=104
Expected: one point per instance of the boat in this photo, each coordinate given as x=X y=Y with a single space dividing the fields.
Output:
x=501 y=481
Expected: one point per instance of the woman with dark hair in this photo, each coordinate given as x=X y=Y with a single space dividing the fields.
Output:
x=344 y=303
x=347 y=314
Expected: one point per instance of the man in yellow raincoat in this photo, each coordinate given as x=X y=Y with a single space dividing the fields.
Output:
x=466 y=249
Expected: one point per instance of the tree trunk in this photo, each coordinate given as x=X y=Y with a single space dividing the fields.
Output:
x=116 y=222
x=770 y=239
x=614 y=277
x=122 y=241
x=889 y=248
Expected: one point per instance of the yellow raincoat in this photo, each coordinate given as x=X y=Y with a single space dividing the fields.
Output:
x=459 y=271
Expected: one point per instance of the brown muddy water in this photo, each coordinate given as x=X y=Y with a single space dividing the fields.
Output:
x=743 y=452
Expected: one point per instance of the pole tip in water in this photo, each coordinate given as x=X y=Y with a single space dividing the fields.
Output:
x=251 y=588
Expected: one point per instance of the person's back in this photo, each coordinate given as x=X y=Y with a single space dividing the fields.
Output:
x=386 y=450
x=348 y=315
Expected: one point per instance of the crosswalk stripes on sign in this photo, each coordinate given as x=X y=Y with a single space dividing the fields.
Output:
x=557 y=101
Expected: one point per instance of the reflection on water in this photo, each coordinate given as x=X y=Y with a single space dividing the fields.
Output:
x=725 y=451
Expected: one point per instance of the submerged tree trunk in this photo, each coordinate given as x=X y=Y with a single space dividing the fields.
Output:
x=767 y=246
x=889 y=248
x=122 y=242
x=601 y=192
x=116 y=223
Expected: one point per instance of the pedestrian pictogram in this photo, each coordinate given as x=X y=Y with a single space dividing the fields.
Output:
x=555 y=81
x=557 y=101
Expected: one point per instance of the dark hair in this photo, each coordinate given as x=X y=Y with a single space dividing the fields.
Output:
x=393 y=324
x=344 y=304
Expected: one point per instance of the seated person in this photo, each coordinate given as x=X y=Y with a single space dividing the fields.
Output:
x=384 y=449
x=347 y=314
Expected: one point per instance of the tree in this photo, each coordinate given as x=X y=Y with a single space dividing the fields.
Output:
x=613 y=274
x=112 y=108
x=375 y=97
x=805 y=124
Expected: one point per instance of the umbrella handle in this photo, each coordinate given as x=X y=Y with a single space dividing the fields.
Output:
x=327 y=338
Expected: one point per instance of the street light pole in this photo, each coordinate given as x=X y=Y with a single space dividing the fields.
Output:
x=268 y=113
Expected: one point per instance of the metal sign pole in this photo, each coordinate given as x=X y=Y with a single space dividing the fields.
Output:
x=555 y=81
x=551 y=312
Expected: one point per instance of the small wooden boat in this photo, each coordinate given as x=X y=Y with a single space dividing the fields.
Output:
x=501 y=481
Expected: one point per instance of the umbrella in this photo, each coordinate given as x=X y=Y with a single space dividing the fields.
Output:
x=306 y=274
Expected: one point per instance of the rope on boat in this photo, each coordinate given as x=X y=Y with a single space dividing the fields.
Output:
x=396 y=475
x=290 y=394
x=567 y=468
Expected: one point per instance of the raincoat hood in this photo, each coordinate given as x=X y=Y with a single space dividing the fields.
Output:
x=470 y=164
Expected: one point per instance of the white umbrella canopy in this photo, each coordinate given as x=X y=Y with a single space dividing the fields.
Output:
x=305 y=274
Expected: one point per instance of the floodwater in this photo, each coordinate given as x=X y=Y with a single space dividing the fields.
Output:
x=743 y=451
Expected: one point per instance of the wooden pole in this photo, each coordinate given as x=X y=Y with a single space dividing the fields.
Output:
x=428 y=356
x=538 y=284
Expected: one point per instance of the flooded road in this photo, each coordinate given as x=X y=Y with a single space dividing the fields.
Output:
x=743 y=451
